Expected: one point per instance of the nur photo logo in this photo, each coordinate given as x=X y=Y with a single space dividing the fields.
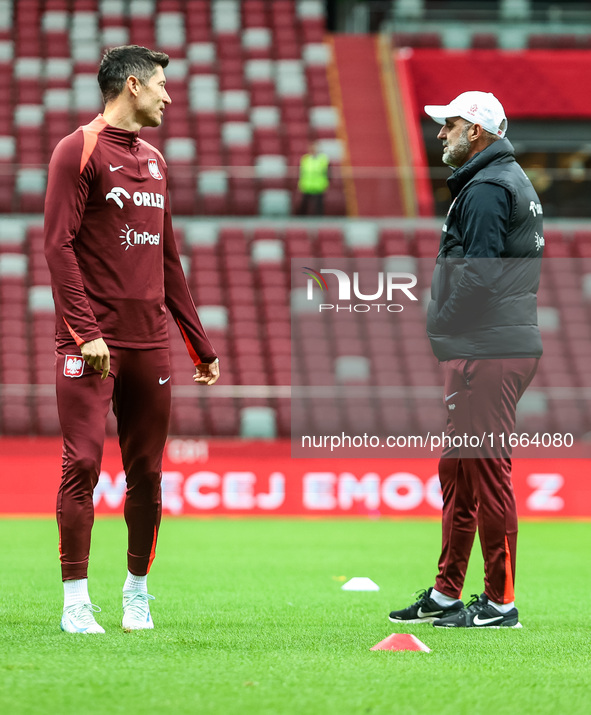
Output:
x=387 y=286
x=314 y=275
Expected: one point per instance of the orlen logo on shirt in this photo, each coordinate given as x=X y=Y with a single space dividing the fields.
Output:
x=140 y=198
x=131 y=237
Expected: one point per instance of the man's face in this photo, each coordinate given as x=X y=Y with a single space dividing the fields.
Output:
x=456 y=145
x=152 y=99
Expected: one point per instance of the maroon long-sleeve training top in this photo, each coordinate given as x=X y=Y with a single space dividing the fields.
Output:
x=110 y=246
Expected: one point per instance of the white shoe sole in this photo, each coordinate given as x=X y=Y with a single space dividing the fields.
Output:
x=480 y=628
x=130 y=629
x=84 y=633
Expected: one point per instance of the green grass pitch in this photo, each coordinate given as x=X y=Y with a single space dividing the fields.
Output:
x=250 y=618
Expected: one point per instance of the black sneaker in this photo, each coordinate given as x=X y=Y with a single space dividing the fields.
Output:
x=425 y=609
x=479 y=613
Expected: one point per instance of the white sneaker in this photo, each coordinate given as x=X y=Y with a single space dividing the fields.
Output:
x=136 y=611
x=79 y=618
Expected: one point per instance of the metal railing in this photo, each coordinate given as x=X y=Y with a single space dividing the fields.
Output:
x=237 y=190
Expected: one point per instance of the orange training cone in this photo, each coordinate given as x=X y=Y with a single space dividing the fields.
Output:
x=401 y=641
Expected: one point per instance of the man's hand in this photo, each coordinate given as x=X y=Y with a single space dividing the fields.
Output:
x=96 y=354
x=207 y=372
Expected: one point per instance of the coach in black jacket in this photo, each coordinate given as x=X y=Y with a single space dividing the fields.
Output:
x=482 y=324
x=483 y=303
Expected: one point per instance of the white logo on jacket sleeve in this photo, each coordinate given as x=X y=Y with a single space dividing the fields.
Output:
x=535 y=208
x=115 y=194
x=73 y=366
x=450 y=208
x=154 y=170
x=131 y=237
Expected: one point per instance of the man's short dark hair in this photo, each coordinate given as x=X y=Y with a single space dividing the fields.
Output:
x=119 y=63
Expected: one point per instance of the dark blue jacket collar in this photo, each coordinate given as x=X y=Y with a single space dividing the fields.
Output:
x=499 y=151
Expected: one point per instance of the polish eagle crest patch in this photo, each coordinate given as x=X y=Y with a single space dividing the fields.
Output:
x=73 y=366
x=153 y=167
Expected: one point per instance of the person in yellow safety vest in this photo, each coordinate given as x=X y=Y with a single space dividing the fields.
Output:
x=313 y=181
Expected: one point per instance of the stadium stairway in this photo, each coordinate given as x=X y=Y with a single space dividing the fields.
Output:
x=372 y=139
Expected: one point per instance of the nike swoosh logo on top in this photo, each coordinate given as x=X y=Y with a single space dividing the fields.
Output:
x=115 y=168
x=162 y=382
x=486 y=621
x=448 y=397
x=423 y=614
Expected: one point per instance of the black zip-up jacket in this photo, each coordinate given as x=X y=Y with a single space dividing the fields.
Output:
x=483 y=291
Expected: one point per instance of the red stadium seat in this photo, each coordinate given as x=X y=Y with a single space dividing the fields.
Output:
x=223 y=418
x=485 y=41
x=57 y=44
x=312 y=30
x=549 y=41
x=15 y=416
x=232 y=241
x=262 y=94
x=243 y=197
x=46 y=419
x=393 y=242
x=416 y=39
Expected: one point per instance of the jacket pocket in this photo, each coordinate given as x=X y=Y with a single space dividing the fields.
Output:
x=432 y=312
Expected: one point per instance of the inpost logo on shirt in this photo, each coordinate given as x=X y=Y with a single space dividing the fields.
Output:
x=131 y=237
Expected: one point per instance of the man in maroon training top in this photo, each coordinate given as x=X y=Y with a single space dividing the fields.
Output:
x=114 y=266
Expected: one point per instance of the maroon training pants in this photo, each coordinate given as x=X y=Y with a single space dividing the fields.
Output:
x=139 y=387
x=481 y=397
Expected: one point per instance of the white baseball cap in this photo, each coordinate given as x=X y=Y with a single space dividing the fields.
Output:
x=478 y=107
